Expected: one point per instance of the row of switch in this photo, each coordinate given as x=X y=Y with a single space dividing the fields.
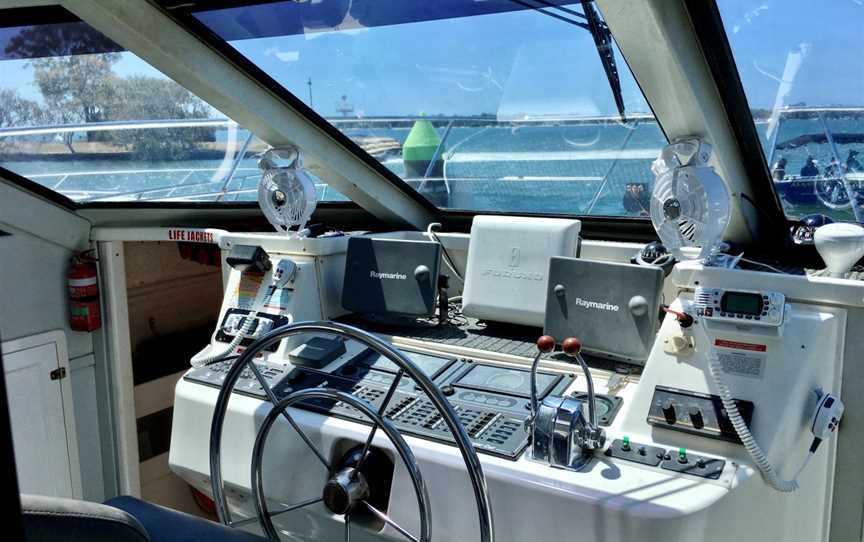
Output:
x=682 y=461
x=709 y=311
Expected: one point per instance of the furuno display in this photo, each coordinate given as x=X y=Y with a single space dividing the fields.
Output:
x=612 y=307
x=756 y=308
x=492 y=402
x=391 y=276
x=508 y=266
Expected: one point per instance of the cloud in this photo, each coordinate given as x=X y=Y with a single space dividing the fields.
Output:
x=284 y=56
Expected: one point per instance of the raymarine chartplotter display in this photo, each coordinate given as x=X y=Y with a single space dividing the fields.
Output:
x=391 y=276
x=612 y=307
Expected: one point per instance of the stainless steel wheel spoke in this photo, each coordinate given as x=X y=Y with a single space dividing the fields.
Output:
x=386 y=519
x=241 y=522
x=275 y=400
x=348 y=527
x=290 y=508
x=297 y=506
x=381 y=410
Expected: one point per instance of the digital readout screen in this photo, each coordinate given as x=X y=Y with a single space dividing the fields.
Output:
x=741 y=302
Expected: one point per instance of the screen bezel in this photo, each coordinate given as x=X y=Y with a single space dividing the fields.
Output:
x=541 y=393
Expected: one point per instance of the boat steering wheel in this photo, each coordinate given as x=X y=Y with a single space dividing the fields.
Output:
x=346 y=488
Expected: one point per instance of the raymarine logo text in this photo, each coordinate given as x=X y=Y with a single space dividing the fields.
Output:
x=387 y=276
x=512 y=274
x=588 y=304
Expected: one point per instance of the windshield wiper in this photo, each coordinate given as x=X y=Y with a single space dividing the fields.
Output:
x=602 y=40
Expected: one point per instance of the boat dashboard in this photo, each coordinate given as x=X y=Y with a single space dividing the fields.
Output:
x=658 y=454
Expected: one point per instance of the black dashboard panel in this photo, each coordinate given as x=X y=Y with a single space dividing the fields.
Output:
x=492 y=402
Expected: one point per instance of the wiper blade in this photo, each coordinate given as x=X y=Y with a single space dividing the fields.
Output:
x=603 y=40
x=599 y=31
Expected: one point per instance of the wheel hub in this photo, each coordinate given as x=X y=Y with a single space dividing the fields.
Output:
x=344 y=490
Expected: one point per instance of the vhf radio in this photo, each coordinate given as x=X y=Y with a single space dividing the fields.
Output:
x=740 y=307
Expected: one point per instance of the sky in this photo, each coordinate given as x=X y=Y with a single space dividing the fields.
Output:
x=527 y=65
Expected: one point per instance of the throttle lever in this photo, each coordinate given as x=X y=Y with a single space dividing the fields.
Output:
x=545 y=344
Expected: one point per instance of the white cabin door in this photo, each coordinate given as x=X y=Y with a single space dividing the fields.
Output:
x=45 y=449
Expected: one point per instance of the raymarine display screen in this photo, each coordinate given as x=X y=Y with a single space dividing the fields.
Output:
x=391 y=276
x=612 y=307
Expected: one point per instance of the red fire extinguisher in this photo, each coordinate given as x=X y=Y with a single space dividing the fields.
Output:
x=83 y=293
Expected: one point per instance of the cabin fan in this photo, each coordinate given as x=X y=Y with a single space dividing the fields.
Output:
x=286 y=193
x=690 y=202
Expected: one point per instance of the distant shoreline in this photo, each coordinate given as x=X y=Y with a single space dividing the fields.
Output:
x=28 y=151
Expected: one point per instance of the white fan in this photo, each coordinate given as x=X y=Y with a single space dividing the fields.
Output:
x=286 y=193
x=690 y=202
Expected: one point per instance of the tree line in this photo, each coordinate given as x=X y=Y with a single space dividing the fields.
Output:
x=84 y=88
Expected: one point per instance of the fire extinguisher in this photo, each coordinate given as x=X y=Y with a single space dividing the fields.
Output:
x=83 y=293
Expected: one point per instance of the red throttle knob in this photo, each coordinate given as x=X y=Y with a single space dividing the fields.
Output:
x=571 y=346
x=546 y=344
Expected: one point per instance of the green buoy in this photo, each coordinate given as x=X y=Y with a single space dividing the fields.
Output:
x=418 y=151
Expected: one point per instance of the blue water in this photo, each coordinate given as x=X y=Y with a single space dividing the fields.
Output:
x=579 y=169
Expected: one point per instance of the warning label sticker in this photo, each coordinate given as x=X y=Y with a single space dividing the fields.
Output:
x=740 y=358
x=247 y=293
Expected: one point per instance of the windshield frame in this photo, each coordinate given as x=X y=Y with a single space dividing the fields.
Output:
x=43 y=15
x=182 y=14
x=710 y=33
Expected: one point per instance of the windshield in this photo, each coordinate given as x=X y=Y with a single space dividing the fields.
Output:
x=97 y=124
x=802 y=69
x=503 y=105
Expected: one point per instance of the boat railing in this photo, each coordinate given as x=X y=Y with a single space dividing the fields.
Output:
x=231 y=181
x=600 y=170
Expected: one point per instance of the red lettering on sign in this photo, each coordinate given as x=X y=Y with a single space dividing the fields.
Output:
x=198 y=236
x=740 y=346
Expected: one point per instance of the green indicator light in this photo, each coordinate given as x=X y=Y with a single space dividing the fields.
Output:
x=682 y=454
x=626 y=443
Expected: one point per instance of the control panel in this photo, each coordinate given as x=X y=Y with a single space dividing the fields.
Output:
x=679 y=460
x=492 y=402
x=697 y=413
x=738 y=306
x=235 y=319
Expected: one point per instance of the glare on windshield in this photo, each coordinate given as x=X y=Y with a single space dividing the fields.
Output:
x=484 y=106
x=802 y=70
x=97 y=124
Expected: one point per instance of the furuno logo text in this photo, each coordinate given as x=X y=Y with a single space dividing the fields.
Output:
x=512 y=274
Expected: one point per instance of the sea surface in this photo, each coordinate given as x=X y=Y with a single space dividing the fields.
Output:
x=567 y=168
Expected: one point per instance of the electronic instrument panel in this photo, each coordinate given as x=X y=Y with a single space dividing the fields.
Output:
x=492 y=402
x=752 y=308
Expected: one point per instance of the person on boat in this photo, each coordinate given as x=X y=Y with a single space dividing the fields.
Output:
x=810 y=169
x=636 y=199
x=833 y=168
x=852 y=163
x=778 y=172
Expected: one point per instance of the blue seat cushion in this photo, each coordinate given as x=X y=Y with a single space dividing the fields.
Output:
x=166 y=525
